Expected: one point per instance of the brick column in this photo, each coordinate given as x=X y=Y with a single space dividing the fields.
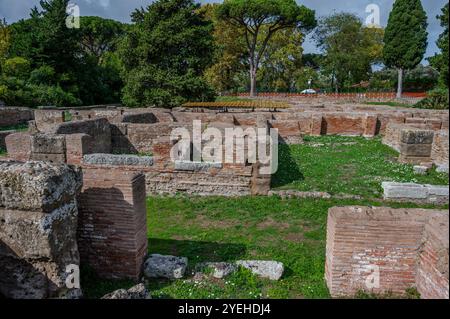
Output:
x=112 y=229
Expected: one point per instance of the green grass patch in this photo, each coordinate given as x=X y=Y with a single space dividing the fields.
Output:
x=17 y=127
x=391 y=103
x=2 y=152
x=291 y=231
x=67 y=116
x=349 y=165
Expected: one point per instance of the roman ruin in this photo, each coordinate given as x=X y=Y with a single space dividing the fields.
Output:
x=73 y=189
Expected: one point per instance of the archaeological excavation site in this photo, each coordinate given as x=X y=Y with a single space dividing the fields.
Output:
x=358 y=204
x=224 y=159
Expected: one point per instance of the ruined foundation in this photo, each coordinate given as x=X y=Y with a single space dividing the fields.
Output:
x=405 y=248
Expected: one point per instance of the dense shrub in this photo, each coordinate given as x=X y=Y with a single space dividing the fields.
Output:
x=437 y=99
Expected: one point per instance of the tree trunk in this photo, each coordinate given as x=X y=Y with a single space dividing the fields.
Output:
x=400 y=84
x=253 y=81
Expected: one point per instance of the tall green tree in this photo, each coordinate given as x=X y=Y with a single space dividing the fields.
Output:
x=349 y=49
x=405 y=38
x=230 y=56
x=5 y=40
x=165 y=54
x=44 y=39
x=274 y=15
x=282 y=61
x=440 y=61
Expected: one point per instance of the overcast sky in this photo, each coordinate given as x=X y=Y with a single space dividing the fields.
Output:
x=14 y=10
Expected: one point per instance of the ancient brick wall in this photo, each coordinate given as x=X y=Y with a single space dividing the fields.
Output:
x=440 y=148
x=112 y=227
x=432 y=274
x=3 y=135
x=99 y=130
x=10 y=116
x=38 y=222
x=363 y=242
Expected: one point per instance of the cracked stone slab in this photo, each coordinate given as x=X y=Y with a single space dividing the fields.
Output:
x=117 y=160
x=161 y=266
x=272 y=270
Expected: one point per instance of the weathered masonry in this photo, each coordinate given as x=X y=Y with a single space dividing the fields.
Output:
x=54 y=216
x=384 y=250
x=146 y=132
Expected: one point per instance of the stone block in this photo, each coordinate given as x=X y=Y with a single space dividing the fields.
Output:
x=117 y=160
x=48 y=143
x=18 y=146
x=414 y=136
x=415 y=150
x=37 y=186
x=404 y=190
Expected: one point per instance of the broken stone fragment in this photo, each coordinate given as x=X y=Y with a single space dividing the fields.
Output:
x=219 y=269
x=420 y=170
x=272 y=270
x=159 y=266
x=135 y=292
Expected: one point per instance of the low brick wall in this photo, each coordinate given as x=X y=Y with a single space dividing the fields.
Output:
x=433 y=272
x=440 y=148
x=112 y=227
x=379 y=250
x=3 y=135
x=10 y=116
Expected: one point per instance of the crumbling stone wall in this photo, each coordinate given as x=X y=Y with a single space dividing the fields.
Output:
x=440 y=148
x=46 y=119
x=112 y=225
x=395 y=243
x=38 y=222
x=63 y=143
x=10 y=116
x=415 y=146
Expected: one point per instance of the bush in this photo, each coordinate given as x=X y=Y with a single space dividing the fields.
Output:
x=43 y=75
x=16 y=67
x=437 y=99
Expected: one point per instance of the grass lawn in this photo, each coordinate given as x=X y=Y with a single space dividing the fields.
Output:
x=2 y=152
x=393 y=104
x=291 y=231
x=18 y=127
x=349 y=165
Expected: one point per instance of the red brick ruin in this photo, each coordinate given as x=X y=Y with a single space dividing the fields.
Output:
x=101 y=144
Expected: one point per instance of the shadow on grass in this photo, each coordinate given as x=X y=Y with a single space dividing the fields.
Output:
x=288 y=169
x=196 y=251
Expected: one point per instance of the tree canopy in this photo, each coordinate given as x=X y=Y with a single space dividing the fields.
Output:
x=440 y=60
x=349 y=48
x=165 y=54
x=252 y=16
